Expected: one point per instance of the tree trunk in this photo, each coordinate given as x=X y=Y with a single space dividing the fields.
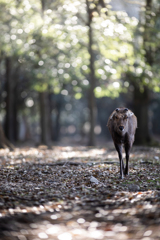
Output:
x=147 y=34
x=57 y=104
x=15 y=107
x=92 y=78
x=9 y=120
x=56 y=129
x=4 y=143
x=141 y=105
x=142 y=99
x=44 y=118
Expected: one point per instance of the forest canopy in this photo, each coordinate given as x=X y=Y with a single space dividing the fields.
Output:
x=63 y=58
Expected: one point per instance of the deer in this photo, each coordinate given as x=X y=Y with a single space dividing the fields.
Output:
x=122 y=125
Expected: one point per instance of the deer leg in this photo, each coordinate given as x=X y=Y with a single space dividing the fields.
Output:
x=127 y=150
x=119 y=150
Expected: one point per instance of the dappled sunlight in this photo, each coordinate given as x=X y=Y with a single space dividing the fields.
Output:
x=76 y=154
x=58 y=221
x=116 y=85
x=75 y=193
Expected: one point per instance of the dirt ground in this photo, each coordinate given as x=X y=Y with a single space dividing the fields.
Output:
x=71 y=193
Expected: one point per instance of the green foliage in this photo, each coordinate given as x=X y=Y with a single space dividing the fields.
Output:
x=50 y=43
x=145 y=70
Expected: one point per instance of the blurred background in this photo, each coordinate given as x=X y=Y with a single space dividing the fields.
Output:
x=65 y=65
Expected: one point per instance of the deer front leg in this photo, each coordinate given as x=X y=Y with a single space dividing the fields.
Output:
x=127 y=150
x=119 y=149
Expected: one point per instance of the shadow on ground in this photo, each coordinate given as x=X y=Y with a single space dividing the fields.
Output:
x=74 y=193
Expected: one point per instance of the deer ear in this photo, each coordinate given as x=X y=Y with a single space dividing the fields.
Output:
x=113 y=114
x=130 y=113
x=126 y=109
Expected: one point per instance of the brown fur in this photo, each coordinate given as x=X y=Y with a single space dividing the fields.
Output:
x=122 y=125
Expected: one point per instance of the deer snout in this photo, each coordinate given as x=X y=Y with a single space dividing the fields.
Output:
x=121 y=128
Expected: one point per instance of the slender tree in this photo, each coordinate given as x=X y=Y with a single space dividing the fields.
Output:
x=92 y=77
x=9 y=121
x=144 y=84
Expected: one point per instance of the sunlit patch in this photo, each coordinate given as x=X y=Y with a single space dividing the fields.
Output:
x=66 y=75
x=94 y=224
x=107 y=68
x=106 y=23
x=85 y=82
x=55 y=216
x=110 y=234
x=65 y=236
x=100 y=71
x=79 y=60
x=116 y=85
x=78 y=95
x=74 y=82
x=60 y=45
x=120 y=28
x=126 y=84
x=27 y=30
x=84 y=67
x=74 y=64
x=31 y=54
x=53 y=230
x=97 y=129
x=139 y=70
x=98 y=215
x=81 y=220
x=49 y=11
x=60 y=71
x=42 y=235
x=98 y=89
x=77 y=231
x=67 y=65
x=40 y=63
x=64 y=92
x=27 y=5
x=108 y=32
x=86 y=127
x=32 y=41
x=147 y=233
x=20 y=31
x=44 y=31
x=96 y=234
x=134 y=21
x=29 y=102
x=19 y=41
x=70 y=8
x=33 y=225
x=13 y=37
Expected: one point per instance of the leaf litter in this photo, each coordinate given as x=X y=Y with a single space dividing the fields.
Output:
x=67 y=193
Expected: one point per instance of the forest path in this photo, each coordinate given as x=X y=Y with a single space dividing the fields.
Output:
x=67 y=193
